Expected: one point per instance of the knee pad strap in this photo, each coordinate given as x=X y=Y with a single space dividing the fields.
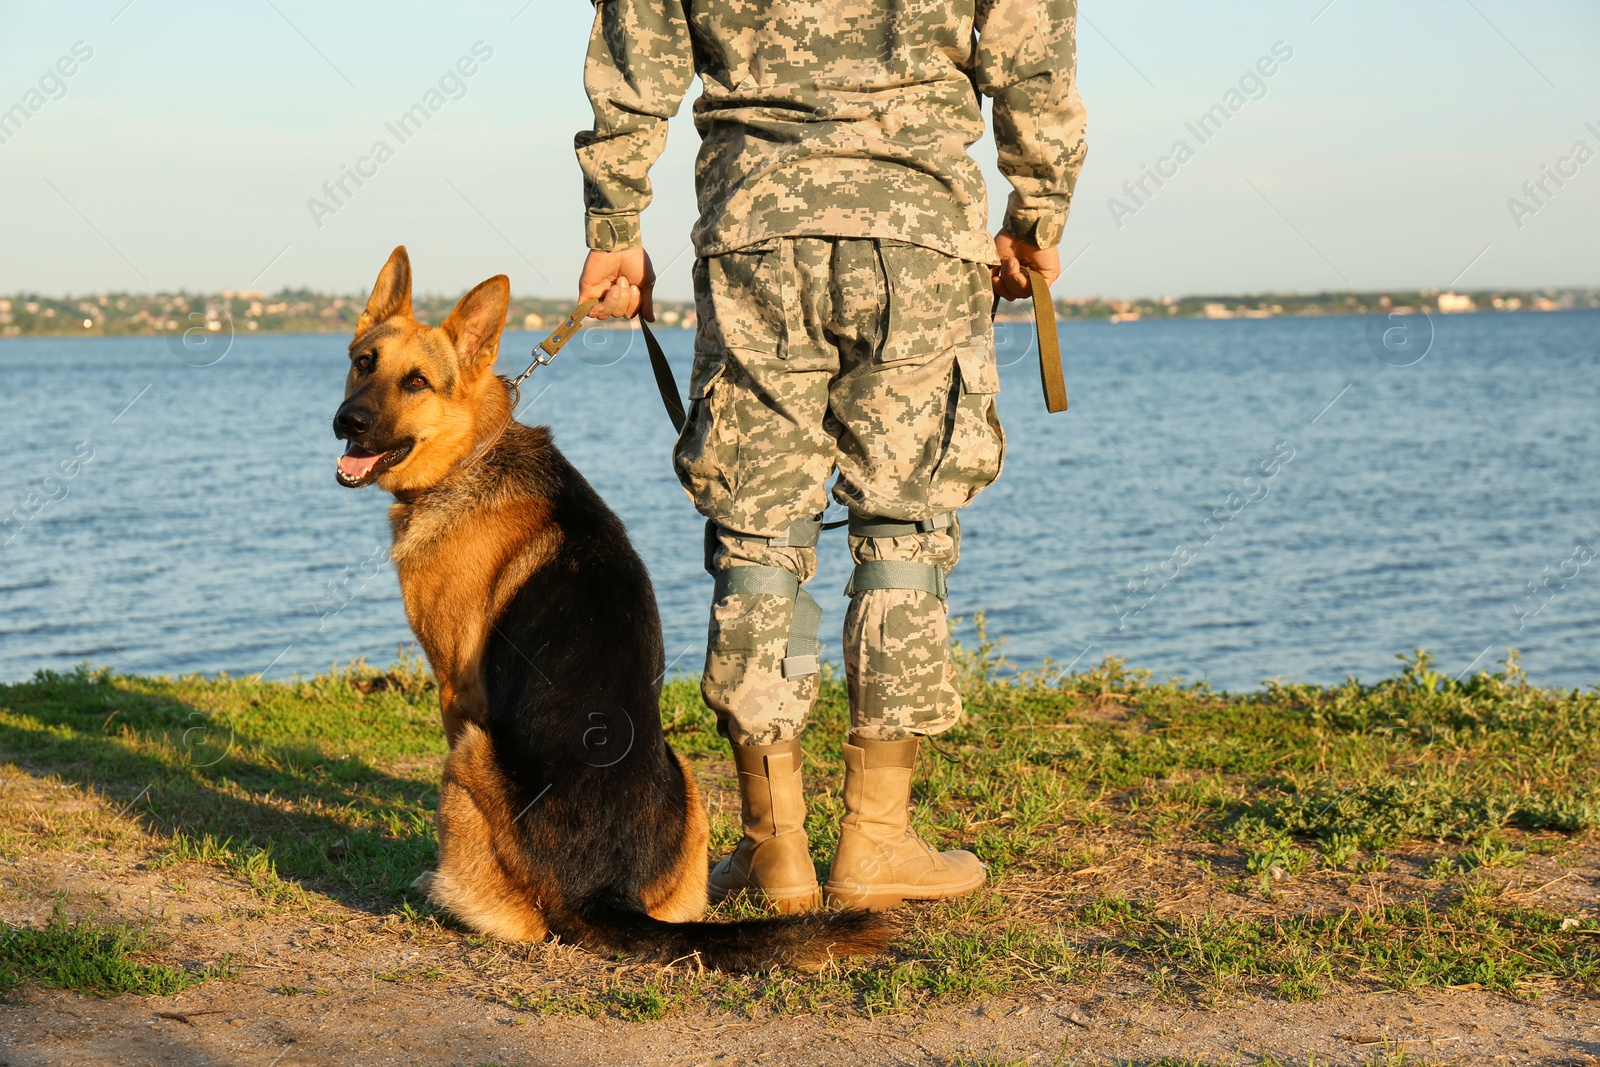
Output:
x=896 y=574
x=801 y=654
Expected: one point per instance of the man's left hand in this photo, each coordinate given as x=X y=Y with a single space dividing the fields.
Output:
x=1010 y=278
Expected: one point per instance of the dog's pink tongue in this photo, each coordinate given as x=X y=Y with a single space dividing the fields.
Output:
x=356 y=462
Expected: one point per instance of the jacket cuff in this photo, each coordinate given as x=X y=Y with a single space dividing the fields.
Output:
x=612 y=233
x=1042 y=230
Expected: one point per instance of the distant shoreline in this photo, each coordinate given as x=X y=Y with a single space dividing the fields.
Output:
x=306 y=312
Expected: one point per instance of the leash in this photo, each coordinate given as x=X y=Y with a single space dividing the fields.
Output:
x=1051 y=376
x=545 y=351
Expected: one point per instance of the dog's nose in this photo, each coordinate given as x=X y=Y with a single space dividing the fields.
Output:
x=352 y=421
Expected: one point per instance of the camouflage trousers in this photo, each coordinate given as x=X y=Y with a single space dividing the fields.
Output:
x=874 y=359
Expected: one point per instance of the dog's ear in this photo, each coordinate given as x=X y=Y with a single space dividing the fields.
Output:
x=475 y=324
x=391 y=294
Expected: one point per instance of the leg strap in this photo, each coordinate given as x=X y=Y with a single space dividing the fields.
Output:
x=874 y=526
x=801 y=654
x=896 y=574
x=800 y=534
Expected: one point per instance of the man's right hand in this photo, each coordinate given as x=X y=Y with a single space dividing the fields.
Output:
x=1010 y=279
x=623 y=281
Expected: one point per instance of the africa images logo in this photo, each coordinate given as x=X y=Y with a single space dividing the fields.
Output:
x=52 y=85
x=452 y=85
x=1252 y=85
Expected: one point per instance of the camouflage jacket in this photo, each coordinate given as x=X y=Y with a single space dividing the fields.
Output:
x=842 y=120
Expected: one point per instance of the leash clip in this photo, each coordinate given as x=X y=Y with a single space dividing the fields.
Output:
x=541 y=358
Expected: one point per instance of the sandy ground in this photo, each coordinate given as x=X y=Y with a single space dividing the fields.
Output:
x=247 y=1024
x=354 y=988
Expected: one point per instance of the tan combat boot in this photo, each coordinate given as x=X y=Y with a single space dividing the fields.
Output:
x=772 y=863
x=881 y=861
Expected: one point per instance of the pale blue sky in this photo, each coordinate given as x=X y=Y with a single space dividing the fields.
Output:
x=183 y=152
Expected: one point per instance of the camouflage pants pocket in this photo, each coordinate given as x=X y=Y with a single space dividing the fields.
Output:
x=935 y=303
x=974 y=444
x=739 y=300
x=706 y=456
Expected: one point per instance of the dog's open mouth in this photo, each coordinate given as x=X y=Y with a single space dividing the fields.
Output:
x=358 y=467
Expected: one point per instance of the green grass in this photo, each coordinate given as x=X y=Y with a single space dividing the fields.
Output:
x=282 y=785
x=324 y=788
x=1463 y=942
x=91 y=956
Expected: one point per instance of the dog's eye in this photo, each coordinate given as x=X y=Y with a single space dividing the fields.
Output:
x=416 y=381
x=364 y=362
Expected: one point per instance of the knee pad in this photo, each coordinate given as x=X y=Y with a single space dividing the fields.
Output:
x=801 y=650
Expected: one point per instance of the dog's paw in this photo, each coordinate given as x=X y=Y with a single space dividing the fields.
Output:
x=423 y=882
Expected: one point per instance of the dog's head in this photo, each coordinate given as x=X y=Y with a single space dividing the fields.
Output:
x=420 y=398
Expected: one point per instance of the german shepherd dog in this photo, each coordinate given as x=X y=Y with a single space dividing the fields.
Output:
x=562 y=809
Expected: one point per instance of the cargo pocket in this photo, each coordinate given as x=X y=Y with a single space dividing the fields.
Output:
x=744 y=297
x=979 y=372
x=975 y=445
x=706 y=456
x=932 y=304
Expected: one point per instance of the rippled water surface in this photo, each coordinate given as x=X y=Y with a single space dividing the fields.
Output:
x=1407 y=507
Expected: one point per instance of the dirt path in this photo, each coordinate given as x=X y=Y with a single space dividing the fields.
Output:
x=389 y=1025
x=343 y=987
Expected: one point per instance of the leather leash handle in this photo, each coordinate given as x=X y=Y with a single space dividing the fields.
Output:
x=1051 y=375
x=1044 y=328
x=546 y=350
x=569 y=326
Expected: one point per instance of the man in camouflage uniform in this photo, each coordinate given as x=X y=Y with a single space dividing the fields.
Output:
x=843 y=282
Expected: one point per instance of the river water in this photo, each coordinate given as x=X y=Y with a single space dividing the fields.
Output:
x=1290 y=498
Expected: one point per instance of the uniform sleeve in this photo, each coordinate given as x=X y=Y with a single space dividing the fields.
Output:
x=1027 y=60
x=638 y=69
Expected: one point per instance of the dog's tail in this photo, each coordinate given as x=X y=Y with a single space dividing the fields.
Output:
x=803 y=942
